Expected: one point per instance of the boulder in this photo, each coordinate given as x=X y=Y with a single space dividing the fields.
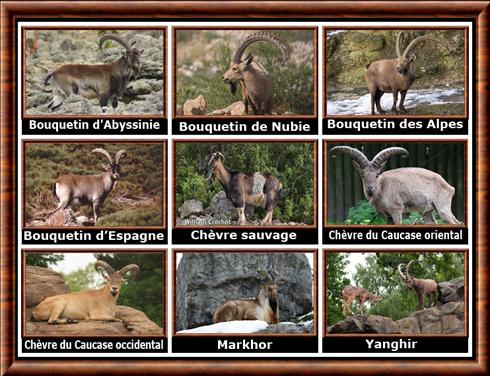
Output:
x=190 y=207
x=195 y=106
x=234 y=109
x=380 y=325
x=289 y=328
x=451 y=291
x=206 y=280
x=222 y=207
x=41 y=283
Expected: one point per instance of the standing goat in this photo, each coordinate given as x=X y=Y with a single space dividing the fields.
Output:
x=351 y=293
x=263 y=307
x=395 y=75
x=259 y=189
x=402 y=190
x=103 y=81
x=88 y=189
x=257 y=86
x=98 y=305
x=422 y=287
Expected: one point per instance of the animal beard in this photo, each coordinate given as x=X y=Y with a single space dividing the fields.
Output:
x=273 y=304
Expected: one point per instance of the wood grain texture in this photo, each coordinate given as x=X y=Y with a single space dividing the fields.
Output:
x=11 y=10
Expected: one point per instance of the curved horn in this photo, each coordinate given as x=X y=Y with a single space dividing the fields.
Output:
x=103 y=152
x=220 y=156
x=120 y=154
x=384 y=154
x=357 y=155
x=418 y=40
x=408 y=267
x=105 y=266
x=133 y=268
x=258 y=37
x=400 y=271
x=399 y=40
x=115 y=38
x=266 y=275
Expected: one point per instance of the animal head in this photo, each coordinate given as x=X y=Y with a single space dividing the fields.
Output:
x=369 y=170
x=239 y=66
x=114 y=168
x=375 y=298
x=407 y=278
x=269 y=288
x=211 y=162
x=132 y=53
x=115 y=279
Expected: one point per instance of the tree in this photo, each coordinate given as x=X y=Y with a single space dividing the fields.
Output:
x=83 y=279
x=336 y=281
x=43 y=259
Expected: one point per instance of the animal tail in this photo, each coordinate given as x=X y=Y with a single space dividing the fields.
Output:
x=47 y=80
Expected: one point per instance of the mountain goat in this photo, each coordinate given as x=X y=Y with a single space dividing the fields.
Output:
x=351 y=293
x=257 y=86
x=402 y=190
x=422 y=287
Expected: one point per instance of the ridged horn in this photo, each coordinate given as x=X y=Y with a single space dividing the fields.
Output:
x=120 y=154
x=115 y=38
x=387 y=153
x=357 y=155
x=418 y=40
x=399 y=41
x=105 y=266
x=133 y=268
x=103 y=152
x=262 y=36
x=408 y=267
x=401 y=272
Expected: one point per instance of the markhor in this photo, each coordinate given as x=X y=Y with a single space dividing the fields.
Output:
x=243 y=345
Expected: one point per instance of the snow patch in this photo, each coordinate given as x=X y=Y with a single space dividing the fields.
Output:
x=248 y=326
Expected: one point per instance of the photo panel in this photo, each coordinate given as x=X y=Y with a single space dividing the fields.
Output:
x=387 y=192
x=245 y=301
x=392 y=80
x=391 y=302
x=107 y=192
x=245 y=80
x=261 y=192
x=77 y=301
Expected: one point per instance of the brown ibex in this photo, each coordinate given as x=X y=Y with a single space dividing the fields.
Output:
x=88 y=189
x=258 y=189
x=255 y=82
x=394 y=75
x=264 y=306
x=402 y=190
x=98 y=305
x=103 y=81
x=422 y=287
x=351 y=293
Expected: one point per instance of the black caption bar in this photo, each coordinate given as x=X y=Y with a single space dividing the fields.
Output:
x=393 y=345
x=94 y=345
x=291 y=235
x=395 y=235
x=258 y=344
x=233 y=125
x=94 y=236
x=404 y=126
x=71 y=126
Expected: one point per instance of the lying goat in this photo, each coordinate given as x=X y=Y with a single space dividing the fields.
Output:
x=351 y=293
x=263 y=307
x=258 y=189
x=103 y=81
x=97 y=305
x=422 y=287
x=402 y=190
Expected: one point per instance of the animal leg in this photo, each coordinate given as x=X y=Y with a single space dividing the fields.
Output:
x=402 y=100
x=267 y=219
x=95 y=208
x=56 y=312
x=428 y=217
x=114 y=102
x=103 y=101
x=241 y=216
x=361 y=304
x=395 y=100
x=372 y=103
x=421 y=301
x=110 y=318
x=55 y=102
x=397 y=217
x=448 y=216
x=379 y=94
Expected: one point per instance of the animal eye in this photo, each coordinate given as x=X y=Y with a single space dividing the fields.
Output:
x=235 y=68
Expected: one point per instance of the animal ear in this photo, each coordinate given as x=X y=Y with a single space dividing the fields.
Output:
x=233 y=87
x=383 y=165
x=248 y=59
x=105 y=167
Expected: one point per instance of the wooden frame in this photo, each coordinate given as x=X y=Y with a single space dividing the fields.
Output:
x=12 y=11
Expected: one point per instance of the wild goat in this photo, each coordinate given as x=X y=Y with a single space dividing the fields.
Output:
x=103 y=81
x=263 y=307
x=351 y=293
x=402 y=190
x=422 y=287
x=88 y=189
x=257 y=86
x=98 y=305
x=395 y=75
x=258 y=189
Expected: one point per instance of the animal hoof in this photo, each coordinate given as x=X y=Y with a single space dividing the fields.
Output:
x=71 y=321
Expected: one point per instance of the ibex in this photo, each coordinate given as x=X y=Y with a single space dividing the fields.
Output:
x=422 y=287
x=263 y=307
x=351 y=293
x=402 y=190
x=103 y=81
x=88 y=189
x=257 y=86
x=395 y=75
x=98 y=305
x=258 y=189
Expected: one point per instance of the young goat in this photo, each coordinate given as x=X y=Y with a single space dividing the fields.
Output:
x=98 y=305
x=402 y=190
x=351 y=293
x=422 y=287
x=259 y=189
x=88 y=189
x=263 y=307
x=103 y=81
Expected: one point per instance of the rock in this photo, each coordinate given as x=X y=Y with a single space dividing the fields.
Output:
x=451 y=291
x=354 y=324
x=41 y=283
x=234 y=109
x=381 y=325
x=195 y=106
x=178 y=111
x=288 y=328
x=206 y=280
x=222 y=207
x=408 y=325
x=189 y=208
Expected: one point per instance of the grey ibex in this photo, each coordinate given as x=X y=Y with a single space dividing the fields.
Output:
x=254 y=80
x=351 y=293
x=88 y=189
x=98 y=305
x=264 y=306
x=422 y=287
x=394 y=75
x=402 y=190
x=258 y=189
x=103 y=81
